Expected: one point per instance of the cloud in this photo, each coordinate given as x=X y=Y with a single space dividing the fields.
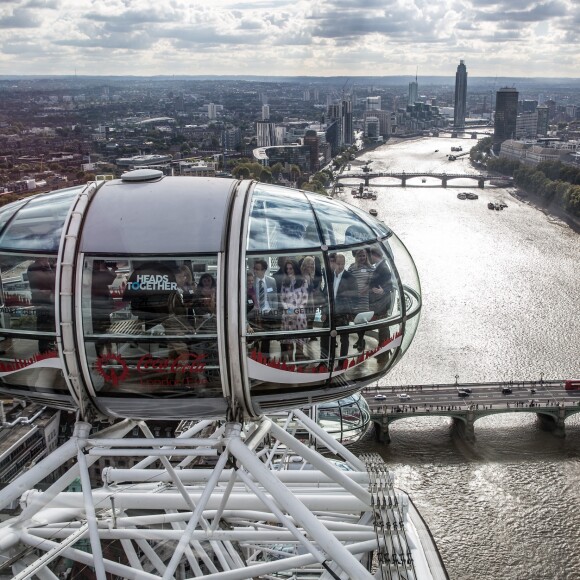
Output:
x=317 y=37
x=536 y=13
x=43 y=4
x=20 y=18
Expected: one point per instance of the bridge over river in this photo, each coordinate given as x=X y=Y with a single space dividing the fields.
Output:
x=465 y=403
x=403 y=176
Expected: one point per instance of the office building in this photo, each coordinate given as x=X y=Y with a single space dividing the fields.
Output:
x=373 y=103
x=346 y=123
x=372 y=127
x=413 y=92
x=542 y=111
x=311 y=142
x=280 y=133
x=265 y=134
x=529 y=106
x=460 y=102
x=384 y=119
x=211 y=111
x=265 y=112
x=527 y=125
x=506 y=113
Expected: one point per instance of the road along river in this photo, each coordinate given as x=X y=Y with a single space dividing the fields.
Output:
x=501 y=297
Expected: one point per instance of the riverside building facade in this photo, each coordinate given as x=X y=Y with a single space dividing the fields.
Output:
x=506 y=113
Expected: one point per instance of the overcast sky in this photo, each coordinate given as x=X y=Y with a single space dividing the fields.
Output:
x=505 y=38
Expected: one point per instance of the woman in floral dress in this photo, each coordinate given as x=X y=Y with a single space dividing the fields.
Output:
x=294 y=300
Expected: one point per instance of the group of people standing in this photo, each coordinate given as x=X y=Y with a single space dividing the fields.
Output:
x=297 y=295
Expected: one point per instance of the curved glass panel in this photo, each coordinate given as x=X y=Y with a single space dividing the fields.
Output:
x=27 y=295
x=407 y=273
x=410 y=330
x=286 y=305
x=9 y=210
x=340 y=224
x=281 y=219
x=380 y=229
x=38 y=225
x=150 y=326
x=28 y=354
x=346 y=420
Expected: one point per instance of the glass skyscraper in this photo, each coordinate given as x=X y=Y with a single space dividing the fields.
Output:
x=506 y=113
x=460 y=95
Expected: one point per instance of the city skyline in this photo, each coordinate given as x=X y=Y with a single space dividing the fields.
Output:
x=504 y=38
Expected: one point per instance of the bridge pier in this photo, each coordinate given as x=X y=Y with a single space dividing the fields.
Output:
x=367 y=180
x=550 y=423
x=403 y=182
x=444 y=182
x=465 y=427
x=481 y=183
x=382 y=431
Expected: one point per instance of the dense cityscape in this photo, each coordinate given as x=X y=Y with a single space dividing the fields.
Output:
x=59 y=132
x=62 y=131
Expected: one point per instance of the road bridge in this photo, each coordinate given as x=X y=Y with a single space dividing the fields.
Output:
x=404 y=176
x=465 y=403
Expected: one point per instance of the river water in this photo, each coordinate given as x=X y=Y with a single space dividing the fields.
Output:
x=501 y=297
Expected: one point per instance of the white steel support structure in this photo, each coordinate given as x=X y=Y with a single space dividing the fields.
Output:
x=217 y=506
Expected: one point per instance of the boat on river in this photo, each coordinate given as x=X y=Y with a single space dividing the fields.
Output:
x=373 y=212
x=461 y=196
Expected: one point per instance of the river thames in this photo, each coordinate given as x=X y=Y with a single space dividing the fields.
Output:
x=501 y=297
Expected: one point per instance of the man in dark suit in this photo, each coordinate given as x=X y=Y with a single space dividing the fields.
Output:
x=267 y=315
x=380 y=291
x=343 y=288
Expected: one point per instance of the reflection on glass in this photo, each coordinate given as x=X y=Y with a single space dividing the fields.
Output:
x=21 y=365
x=8 y=211
x=405 y=265
x=346 y=420
x=290 y=301
x=281 y=219
x=28 y=285
x=410 y=330
x=341 y=225
x=380 y=229
x=167 y=321
x=38 y=225
x=164 y=368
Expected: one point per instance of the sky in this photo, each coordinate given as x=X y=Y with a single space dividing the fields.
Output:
x=504 y=38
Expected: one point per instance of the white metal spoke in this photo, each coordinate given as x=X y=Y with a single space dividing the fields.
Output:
x=269 y=516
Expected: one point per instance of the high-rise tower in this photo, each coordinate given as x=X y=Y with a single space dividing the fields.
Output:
x=506 y=113
x=460 y=95
x=413 y=92
x=346 y=123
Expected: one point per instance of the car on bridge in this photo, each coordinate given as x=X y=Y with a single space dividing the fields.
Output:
x=462 y=393
x=506 y=391
x=404 y=397
x=380 y=397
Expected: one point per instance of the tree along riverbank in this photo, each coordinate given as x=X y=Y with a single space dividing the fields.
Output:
x=551 y=185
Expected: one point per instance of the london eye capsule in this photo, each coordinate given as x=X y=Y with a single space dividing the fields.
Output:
x=159 y=297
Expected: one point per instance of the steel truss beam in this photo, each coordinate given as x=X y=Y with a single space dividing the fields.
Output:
x=241 y=514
